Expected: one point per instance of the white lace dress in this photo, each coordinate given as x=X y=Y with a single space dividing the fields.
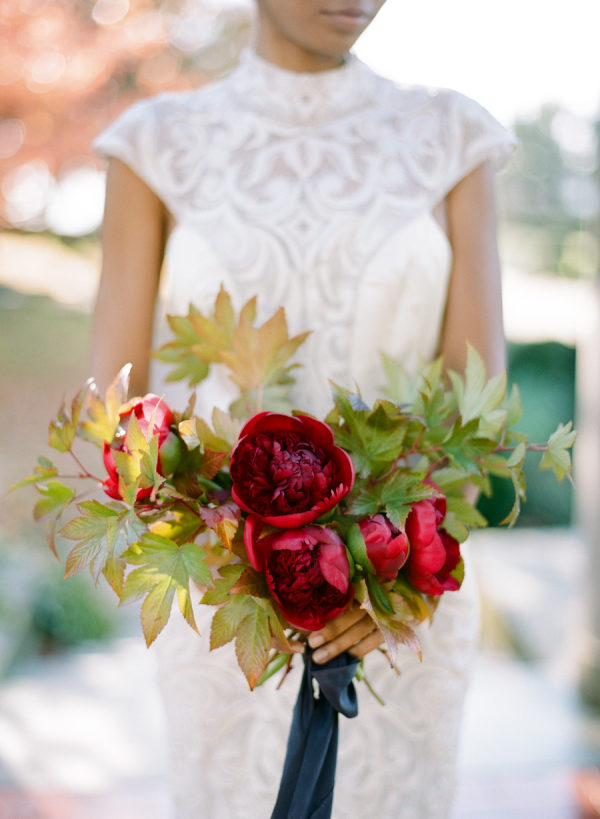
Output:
x=318 y=192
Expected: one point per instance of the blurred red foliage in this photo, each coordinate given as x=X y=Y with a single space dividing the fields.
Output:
x=68 y=67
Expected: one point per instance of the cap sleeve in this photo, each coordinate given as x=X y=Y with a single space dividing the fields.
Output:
x=134 y=138
x=473 y=136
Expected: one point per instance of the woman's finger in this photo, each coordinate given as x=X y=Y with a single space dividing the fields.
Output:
x=344 y=641
x=370 y=643
x=331 y=630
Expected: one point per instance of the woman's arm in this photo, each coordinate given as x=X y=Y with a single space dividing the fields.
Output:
x=133 y=237
x=473 y=313
x=474 y=305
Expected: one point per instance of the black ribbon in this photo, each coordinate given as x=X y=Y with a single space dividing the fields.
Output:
x=308 y=779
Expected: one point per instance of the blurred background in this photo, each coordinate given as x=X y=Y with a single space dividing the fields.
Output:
x=80 y=722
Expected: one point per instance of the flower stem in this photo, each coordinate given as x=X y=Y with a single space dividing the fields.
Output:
x=85 y=472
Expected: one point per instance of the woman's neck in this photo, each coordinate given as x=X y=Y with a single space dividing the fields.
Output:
x=288 y=55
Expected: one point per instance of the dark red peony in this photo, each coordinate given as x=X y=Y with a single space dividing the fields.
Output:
x=287 y=470
x=434 y=554
x=386 y=546
x=306 y=569
x=154 y=418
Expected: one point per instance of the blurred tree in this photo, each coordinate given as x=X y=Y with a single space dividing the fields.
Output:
x=68 y=67
x=551 y=195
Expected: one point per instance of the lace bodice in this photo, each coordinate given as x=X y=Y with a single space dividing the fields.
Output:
x=317 y=192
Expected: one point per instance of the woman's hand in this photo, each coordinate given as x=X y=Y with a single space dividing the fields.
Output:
x=353 y=631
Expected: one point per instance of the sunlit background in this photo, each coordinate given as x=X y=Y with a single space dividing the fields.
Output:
x=68 y=68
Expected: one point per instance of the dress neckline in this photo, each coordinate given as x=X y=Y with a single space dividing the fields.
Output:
x=301 y=98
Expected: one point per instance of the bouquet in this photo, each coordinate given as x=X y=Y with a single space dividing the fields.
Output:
x=283 y=519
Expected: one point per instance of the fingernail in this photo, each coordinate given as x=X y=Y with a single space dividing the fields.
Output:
x=321 y=655
x=316 y=640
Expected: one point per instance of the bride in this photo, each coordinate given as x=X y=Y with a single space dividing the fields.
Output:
x=367 y=211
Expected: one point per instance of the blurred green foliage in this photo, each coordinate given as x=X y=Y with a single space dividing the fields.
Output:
x=545 y=376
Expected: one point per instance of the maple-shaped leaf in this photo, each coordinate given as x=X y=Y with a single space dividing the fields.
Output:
x=90 y=530
x=103 y=414
x=475 y=394
x=394 y=495
x=228 y=618
x=197 y=433
x=199 y=339
x=464 y=511
x=223 y=520
x=55 y=499
x=62 y=430
x=229 y=575
x=374 y=438
x=180 y=524
x=258 y=355
x=102 y=534
x=251 y=582
x=44 y=471
x=396 y=632
x=465 y=446
x=164 y=570
x=557 y=456
x=252 y=644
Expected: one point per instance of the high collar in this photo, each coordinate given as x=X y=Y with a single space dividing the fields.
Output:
x=301 y=98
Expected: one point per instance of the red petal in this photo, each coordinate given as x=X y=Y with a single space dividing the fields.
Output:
x=421 y=523
x=334 y=565
x=258 y=549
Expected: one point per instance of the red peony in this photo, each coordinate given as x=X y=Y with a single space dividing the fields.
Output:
x=434 y=554
x=287 y=471
x=386 y=546
x=154 y=418
x=306 y=569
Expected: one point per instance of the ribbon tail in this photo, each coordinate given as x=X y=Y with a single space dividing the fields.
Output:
x=308 y=779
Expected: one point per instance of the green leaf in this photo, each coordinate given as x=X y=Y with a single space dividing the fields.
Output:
x=252 y=583
x=55 y=497
x=517 y=456
x=464 y=446
x=374 y=438
x=465 y=512
x=61 y=432
x=518 y=482
x=44 y=471
x=103 y=415
x=103 y=534
x=416 y=602
x=165 y=569
x=557 y=457
x=223 y=520
x=356 y=545
x=274 y=665
x=400 y=387
x=379 y=598
x=196 y=433
x=181 y=526
x=252 y=645
x=455 y=527
x=227 y=620
x=226 y=428
x=475 y=394
x=513 y=407
x=220 y=593
x=276 y=625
